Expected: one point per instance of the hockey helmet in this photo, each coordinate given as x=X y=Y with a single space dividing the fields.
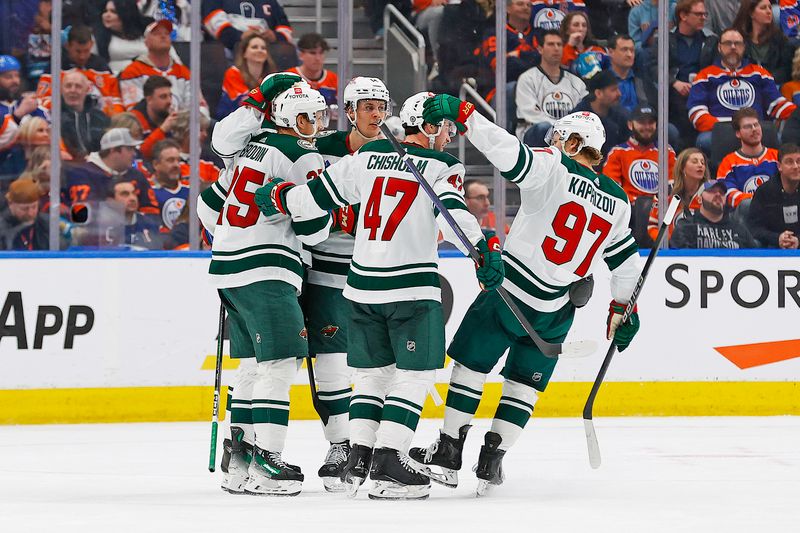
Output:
x=300 y=99
x=584 y=123
x=363 y=88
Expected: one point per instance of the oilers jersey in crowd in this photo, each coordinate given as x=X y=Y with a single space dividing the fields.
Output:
x=226 y=20
x=717 y=93
x=790 y=18
x=635 y=168
x=327 y=84
x=548 y=14
x=170 y=202
x=744 y=174
x=541 y=100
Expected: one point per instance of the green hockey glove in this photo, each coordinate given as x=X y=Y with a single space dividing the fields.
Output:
x=270 y=199
x=445 y=107
x=271 y=86
x=621 y=333
x=491 y=271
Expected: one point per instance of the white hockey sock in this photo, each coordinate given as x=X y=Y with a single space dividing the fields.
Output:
x=403 y=407
x=513 y=412
x=463 y=397
x=333 y=387
x=240 y=395
x=270 y=405
x=366 y=403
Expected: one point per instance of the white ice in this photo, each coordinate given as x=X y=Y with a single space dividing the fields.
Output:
x=658 y=474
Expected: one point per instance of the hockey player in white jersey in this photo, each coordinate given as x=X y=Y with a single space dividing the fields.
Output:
x=257 y=266
x=396 y=335
x=570 y=218
x=367 y=104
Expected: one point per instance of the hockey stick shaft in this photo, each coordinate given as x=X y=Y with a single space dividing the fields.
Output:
x=591 y=436
x=550 y=350
x=319 y=407
x=212 y=457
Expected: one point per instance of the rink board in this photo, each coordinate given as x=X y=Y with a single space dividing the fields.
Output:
x=131 y=338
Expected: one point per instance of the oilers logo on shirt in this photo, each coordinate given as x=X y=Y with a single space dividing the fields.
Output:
x=557 y=104
x=643 y=175
x=736 y=94
x=171 y=210
x=754 y=182
x=548 y=19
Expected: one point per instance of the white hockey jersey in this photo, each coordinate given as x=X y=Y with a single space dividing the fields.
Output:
x=569 y=219
x=249 y=247
x=331 y=258
x=541 y=100
x=395 y=256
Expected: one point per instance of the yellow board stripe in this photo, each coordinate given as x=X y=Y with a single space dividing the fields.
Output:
x=172 y=404
x=210 y=363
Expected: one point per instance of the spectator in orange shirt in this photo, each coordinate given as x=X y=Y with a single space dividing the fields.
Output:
x=745 y=169
x=311 y=49
x=576 y=32
x=634 y=163
x=688 y=176
x=78 y=56
x=251 y=64
x=476 y=193
x=155 y=113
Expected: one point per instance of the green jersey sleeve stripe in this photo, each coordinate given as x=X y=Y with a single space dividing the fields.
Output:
x=310 y=227
x=212 y=199
x=321 y=195
x=394 y=269
x=326 y=179
x=402 y=281
x=618 y=258
x=219 y=189
x=236 y=266
x=522 y=158
x=624 y=242
x=451 y=205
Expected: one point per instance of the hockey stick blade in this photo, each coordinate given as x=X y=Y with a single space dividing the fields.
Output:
x=575 y=349
x=592 y=444
x=548 y=349
x=591 y=436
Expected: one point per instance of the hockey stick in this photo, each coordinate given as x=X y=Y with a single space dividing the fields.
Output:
x=588 y=424
x=319 y=407
x=550 y=350
x=212 y=458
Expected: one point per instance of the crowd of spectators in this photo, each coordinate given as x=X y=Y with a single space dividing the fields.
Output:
x=734 y=86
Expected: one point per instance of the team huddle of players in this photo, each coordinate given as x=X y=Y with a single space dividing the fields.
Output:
x=323 y=244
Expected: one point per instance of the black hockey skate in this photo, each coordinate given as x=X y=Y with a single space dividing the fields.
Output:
x=395 y=479
x=357 y=468
x=489 y=469
x=271 y=476
x=335 y=461
x=236 y=457
x=444 y=453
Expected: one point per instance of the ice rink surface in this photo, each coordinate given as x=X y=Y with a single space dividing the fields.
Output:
x=658 y=474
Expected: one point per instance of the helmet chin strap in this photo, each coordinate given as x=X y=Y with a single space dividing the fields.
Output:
x=576 y=152
x=303 y=135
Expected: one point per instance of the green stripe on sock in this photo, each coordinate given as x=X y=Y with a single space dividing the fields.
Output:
x=323 y=393
x=460 y=402
x=394 y=413
x=459 y=386
x=241 y=416
x=367 y=411
x=404 y=401
x=337 y=407
x=266 y=415
x=512 y=415
x=517 y=401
